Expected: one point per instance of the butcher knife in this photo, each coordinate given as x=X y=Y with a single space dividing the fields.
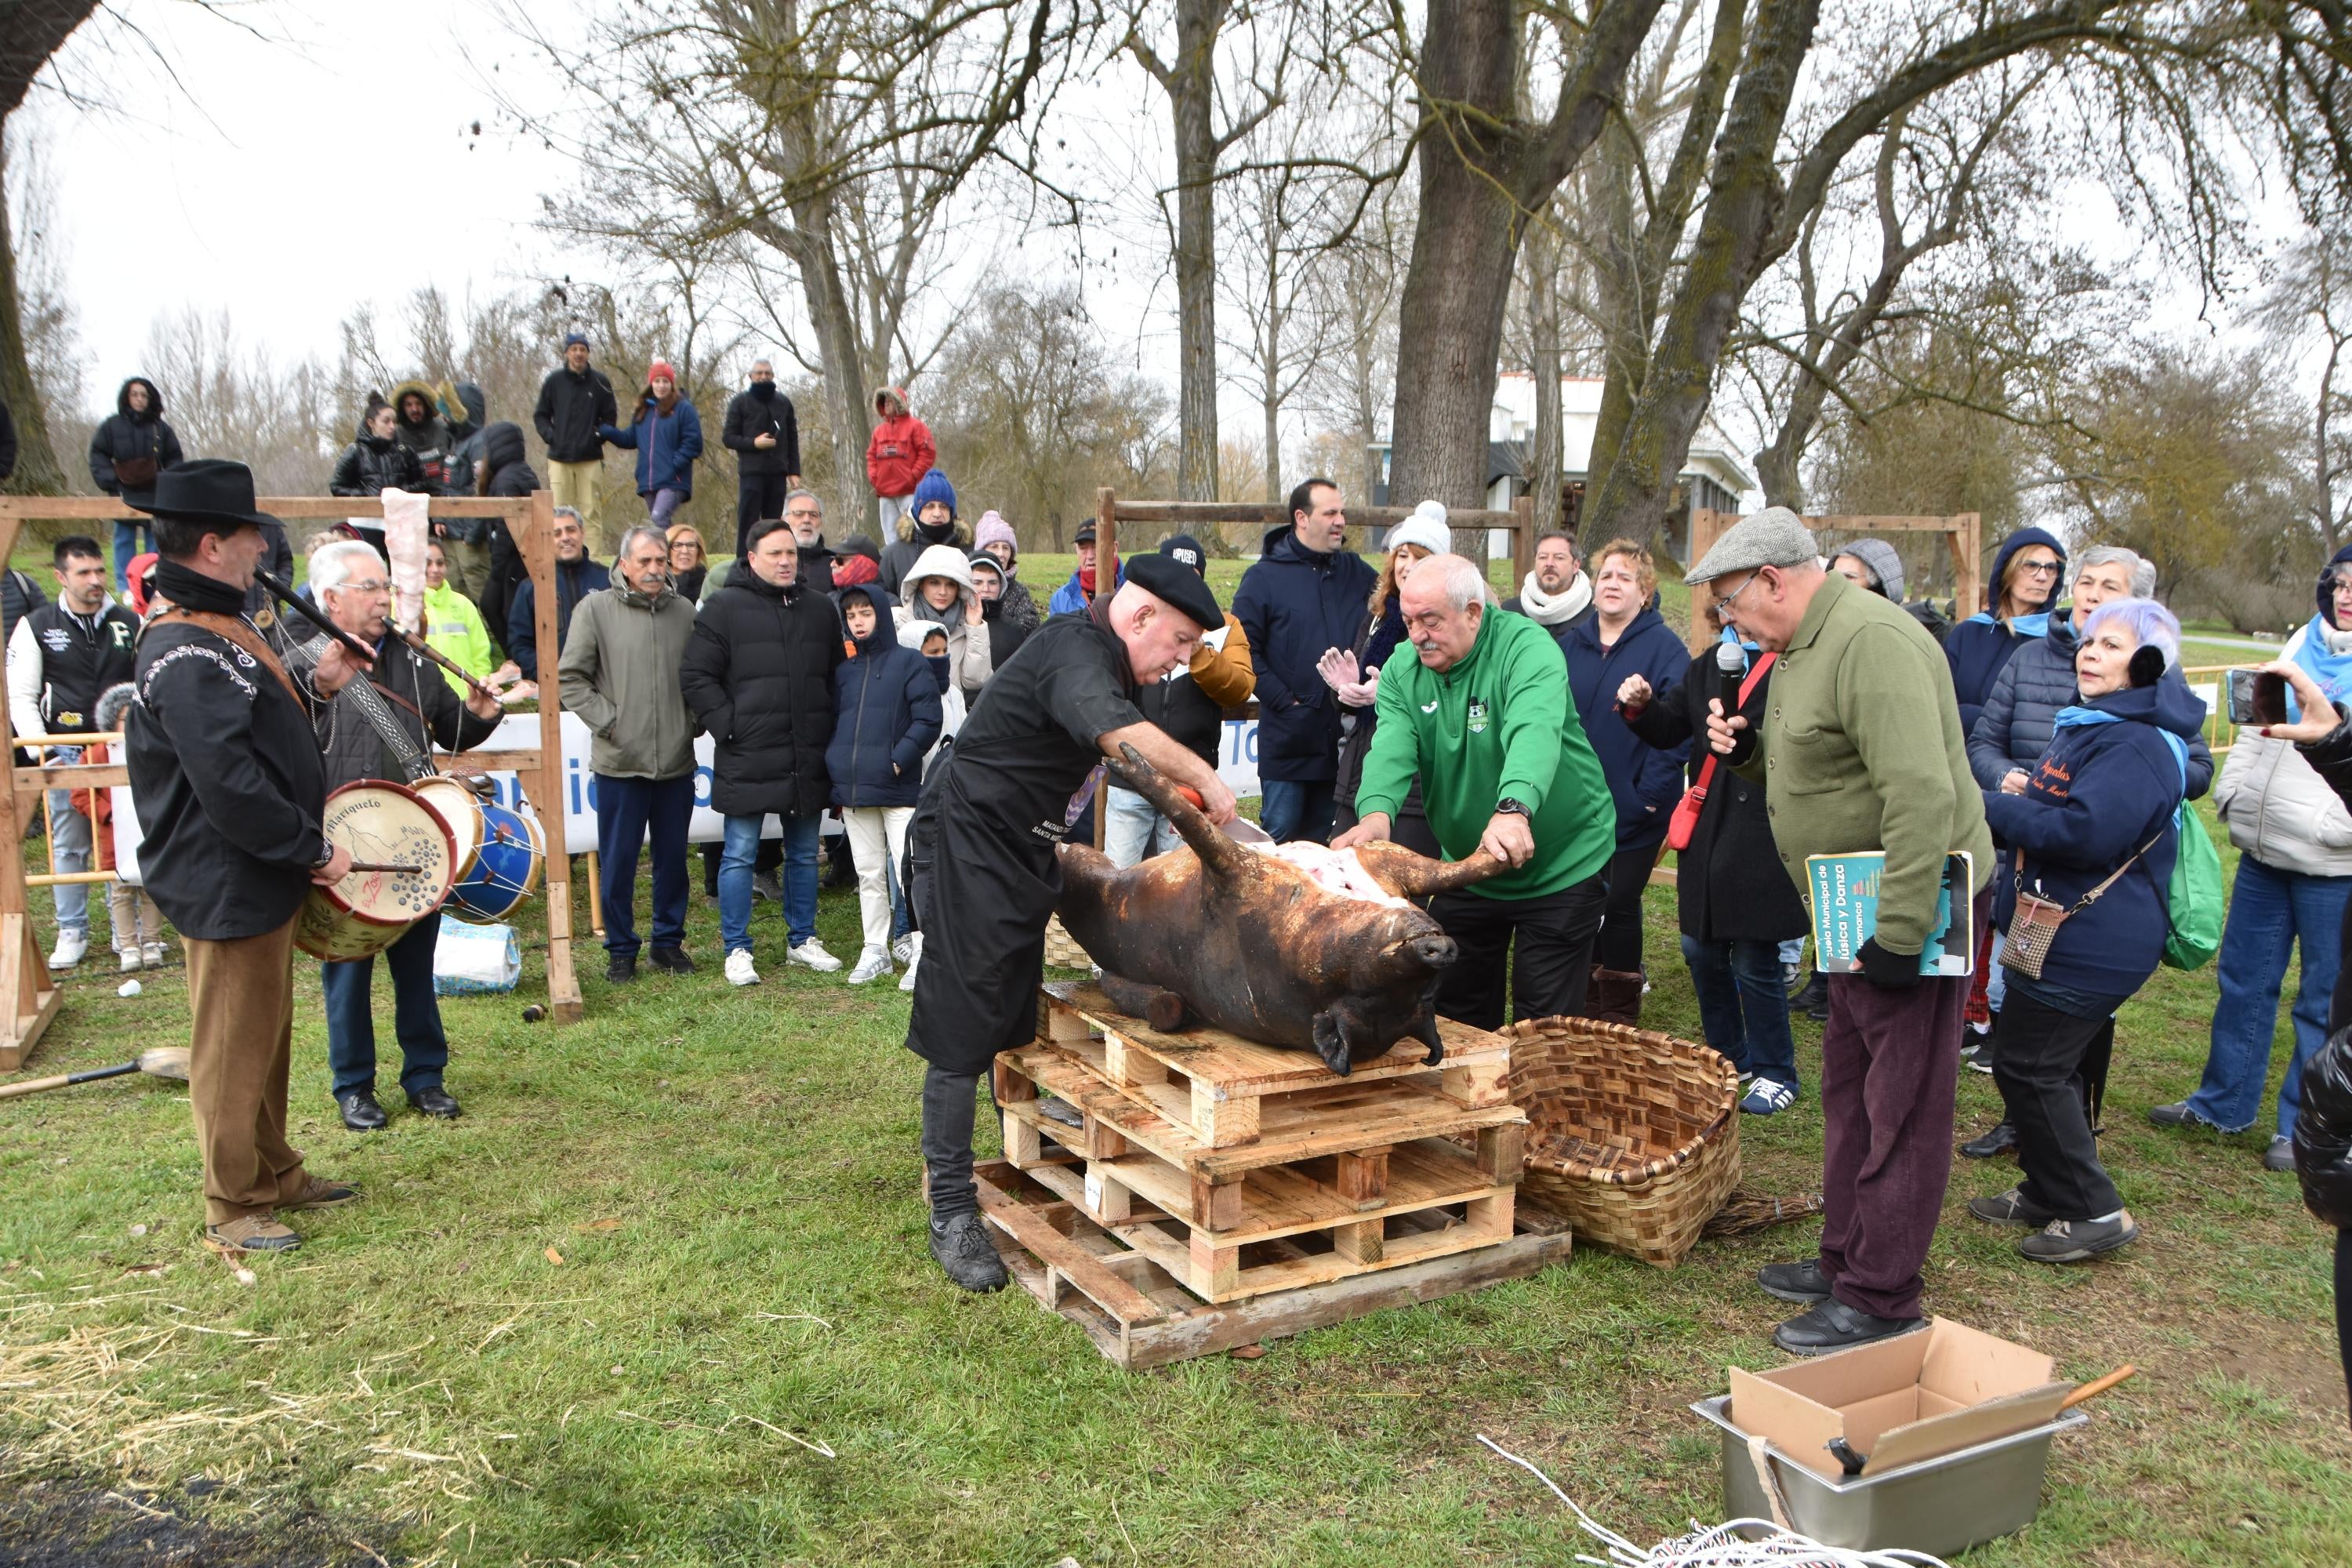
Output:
x=1241 y=829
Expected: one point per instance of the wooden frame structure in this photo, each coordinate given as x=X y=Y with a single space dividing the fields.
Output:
x=1962 y=535
x=28 y=999
x=1110 y=511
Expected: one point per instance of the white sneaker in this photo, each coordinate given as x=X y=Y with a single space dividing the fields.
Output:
x=71 y=945
x=872 y=965
x=153 y=953
x=129 y=956
x=739 y=968
x=914 y=957
x=812 y=953
x=904 y=949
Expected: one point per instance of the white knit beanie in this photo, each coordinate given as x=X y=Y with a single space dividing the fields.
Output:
x=1426 y=527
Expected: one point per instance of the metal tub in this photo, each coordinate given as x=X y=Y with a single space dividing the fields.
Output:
x=1940 y=1506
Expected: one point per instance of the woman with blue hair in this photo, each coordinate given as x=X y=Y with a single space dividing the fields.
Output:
x=2092 y=830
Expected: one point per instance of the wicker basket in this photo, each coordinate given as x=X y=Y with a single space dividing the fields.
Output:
x=1062 y=949
x=1632 y=1135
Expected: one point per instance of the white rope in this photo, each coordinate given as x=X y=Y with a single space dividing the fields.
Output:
x=1723 y=1545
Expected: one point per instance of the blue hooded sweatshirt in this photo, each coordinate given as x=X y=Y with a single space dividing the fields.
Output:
x=1644 y=781
x=1979 y=646
x=2108 y=783
x=1293 y=605
x=886 y=714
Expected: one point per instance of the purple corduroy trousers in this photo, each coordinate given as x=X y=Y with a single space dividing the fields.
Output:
x=1890 y=1070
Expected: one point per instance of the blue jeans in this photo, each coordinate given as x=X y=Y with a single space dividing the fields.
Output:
x=1289 y=810
x=1742 y=1005
x=1133 y=828
x=2271 y=911
x=69 y=836
x=127 y=533
x=798 y=876
x=626 y=811
x=416 y=1017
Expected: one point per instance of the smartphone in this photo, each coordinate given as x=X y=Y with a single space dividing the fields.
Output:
x=2257 y=697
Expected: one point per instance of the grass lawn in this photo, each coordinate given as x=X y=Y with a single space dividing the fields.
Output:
x=661 y=1295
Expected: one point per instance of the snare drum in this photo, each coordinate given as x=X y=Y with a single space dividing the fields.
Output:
x=358 y=917
x=499 y=852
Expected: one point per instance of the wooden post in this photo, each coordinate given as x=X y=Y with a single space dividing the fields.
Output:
x=1707 y=526
x=1105 y=557
x=1967 y=540
x=1523 y=543
x=534 y=536
x=29 y=998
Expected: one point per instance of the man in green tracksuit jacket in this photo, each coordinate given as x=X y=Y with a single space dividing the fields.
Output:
x=1861 y=751
x=1479 y=708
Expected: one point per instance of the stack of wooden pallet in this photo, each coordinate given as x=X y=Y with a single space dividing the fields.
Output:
x=1219 y=1191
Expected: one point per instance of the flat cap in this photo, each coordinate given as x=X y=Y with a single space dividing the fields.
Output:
x=1773 y=537
x=1169 y=579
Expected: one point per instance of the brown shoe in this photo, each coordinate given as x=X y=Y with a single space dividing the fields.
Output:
x=252 y=1233
x=1614 y=996
x=320 y=1193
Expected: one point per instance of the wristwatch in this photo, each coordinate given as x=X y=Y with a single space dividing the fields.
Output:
x=1506 y=806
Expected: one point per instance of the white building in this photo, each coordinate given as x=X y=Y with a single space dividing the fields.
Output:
x=1713 y=476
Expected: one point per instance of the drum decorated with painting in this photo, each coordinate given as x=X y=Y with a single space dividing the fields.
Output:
x=500 y=852
x=382 y=825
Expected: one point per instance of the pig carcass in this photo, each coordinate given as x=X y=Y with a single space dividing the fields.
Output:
x=1216 y=932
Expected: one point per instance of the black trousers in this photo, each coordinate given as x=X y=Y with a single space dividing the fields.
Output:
x=1548 y=971
x=2040 y=1066
x=1618 y=945
x=757 y=497
x=770 y=857
x=950 y=1110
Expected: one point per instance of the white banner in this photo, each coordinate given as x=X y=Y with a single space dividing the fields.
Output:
x=1236 y=765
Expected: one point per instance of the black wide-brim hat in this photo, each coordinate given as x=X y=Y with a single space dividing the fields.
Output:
x=207 y=491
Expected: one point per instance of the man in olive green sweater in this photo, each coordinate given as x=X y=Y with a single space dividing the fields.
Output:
x=1860 y=750
x=1481 y=711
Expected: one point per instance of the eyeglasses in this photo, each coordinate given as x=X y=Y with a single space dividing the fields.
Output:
x=1724 y=604
x=2039 y=568
x=371 y=585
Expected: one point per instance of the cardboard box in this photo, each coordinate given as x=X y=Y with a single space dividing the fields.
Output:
x=1899 y=1401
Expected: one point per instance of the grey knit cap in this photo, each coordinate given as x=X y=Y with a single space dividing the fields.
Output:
x=1884 y=563
x=1773 y=537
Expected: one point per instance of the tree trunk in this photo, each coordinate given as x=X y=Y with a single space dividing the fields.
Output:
x=1464 y=239
x=842 y=348
x=1544 y=460
x=30 y=32
x=37 y=472
x=1632 y=497
x=1191 y=99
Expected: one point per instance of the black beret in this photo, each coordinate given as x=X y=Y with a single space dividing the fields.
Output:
x=1178 y=584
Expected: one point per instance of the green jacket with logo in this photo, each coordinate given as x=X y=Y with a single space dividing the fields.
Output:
x=1500 y=724
x=1862 y=749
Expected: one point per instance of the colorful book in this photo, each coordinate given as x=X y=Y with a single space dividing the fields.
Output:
x=1845 y=912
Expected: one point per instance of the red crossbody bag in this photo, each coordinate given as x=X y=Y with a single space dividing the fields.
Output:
x=1685 y=820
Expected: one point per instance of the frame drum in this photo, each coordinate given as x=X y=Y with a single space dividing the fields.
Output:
x=358 y=917
x=499 y=852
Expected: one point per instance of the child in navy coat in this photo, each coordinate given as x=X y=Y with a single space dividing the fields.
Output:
x=885 y=706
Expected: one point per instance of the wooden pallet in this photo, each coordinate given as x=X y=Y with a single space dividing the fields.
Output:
x=1139 y=1316
x=1217 y=1086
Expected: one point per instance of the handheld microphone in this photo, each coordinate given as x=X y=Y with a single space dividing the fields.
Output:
x=1730 y=664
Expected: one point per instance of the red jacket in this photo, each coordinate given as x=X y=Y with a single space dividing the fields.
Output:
x=899 y=455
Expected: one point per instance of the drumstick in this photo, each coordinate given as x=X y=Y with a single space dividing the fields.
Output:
x=383 y=866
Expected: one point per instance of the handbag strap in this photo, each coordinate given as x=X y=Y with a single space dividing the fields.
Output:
x=1755 y=673
x=2093 y=897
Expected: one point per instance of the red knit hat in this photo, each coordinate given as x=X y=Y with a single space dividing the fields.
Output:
x=661 y=368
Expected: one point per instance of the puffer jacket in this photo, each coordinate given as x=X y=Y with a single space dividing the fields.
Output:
x=569 y=410
x=758 y=673
x=1979 y=646
x=914 y=538
x=509 y=476
x=2323 y=1127
x=1294 y=603
x=124 y=435
x=2278 y=809
x=900 y=451
x=666 y=444
x=2015 y=725
x=371 y=465
x=428 y=437
x=970 y=652
x=886 y=714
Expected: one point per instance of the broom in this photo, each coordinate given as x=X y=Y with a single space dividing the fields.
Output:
x=156 y=1061
x=1747 y=1214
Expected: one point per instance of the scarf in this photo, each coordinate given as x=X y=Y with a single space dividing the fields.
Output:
x=1087 y=578
x=186 y=586
x=2035 y=625
x=939 y=663
x=919 y=608
x=937 y=533
x=2326 y=655
x=1545 y=610
x=849 y=571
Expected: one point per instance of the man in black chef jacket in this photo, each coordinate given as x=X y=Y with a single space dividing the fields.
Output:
x=980 y=853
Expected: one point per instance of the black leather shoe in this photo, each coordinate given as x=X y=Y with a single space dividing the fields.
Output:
x=361 y=1112
x=961 y=1245
x=1814 y=998
x=673 y=959
x=2001 y=1140
x=1803 y=1283
x=1834 y=1326
x=620 y=968
x=435 y=1101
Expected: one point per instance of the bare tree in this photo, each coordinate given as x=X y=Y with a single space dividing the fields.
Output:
x=2312 y=295
x=1360 y=281
x=1275 y=251
x=31 y=31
